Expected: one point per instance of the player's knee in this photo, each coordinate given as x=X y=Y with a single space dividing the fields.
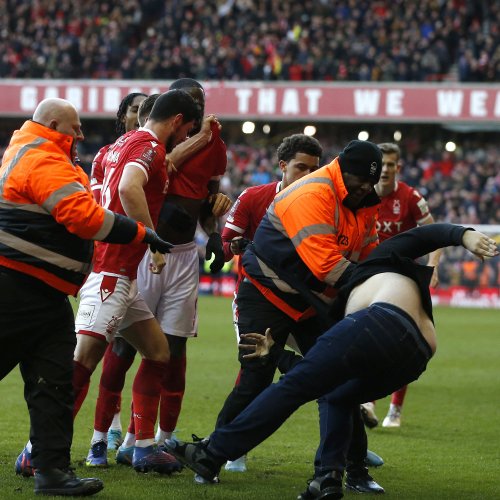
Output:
x=157 y=351
x=89 y=351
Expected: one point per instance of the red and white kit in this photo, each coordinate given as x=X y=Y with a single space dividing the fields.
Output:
x=243 y=219
x=109 y=298
x=401 y=210
x=172 y=295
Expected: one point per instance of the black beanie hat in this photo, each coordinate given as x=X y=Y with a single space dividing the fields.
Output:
x=362 y=158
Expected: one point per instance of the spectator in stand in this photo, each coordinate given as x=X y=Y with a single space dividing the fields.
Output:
x=329 y=40
x=402 y=208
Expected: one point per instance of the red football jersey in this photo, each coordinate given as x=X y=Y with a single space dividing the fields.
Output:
x=97 y=172
x=191 y=180
x=403 y=209
x=245 y=215
x=135 y=149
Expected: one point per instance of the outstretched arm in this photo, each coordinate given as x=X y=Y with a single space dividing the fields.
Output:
x=426 y=239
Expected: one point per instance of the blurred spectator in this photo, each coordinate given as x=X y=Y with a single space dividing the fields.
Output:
x=337 y=40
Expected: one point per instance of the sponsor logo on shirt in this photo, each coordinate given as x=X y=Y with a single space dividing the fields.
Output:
x=388 y=226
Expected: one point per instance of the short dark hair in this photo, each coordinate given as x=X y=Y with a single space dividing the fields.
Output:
x=185 y=83
x=145 y=108
x=174 y=102
x=122 y=111
x=298 y=143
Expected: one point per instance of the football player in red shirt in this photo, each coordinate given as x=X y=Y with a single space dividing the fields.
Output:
x=402 y=208
x=197 y=166
x=126 y=120
x=135 y=182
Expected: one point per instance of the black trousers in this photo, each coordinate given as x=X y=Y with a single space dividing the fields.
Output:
x=37 y=333
x=255 y=314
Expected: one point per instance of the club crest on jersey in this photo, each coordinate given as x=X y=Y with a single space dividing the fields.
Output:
x=396 y=207
x=113 y=156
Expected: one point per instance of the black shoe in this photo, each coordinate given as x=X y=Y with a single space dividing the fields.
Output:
x=197 y=457
x=363 y=483
x=63 y=482
x=327 y=487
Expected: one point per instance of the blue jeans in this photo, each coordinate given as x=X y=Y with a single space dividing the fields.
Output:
x=366 y=356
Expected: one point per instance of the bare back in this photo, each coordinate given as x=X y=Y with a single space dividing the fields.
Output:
x=398 y=290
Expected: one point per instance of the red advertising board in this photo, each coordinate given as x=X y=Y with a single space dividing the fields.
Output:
x=290 y=101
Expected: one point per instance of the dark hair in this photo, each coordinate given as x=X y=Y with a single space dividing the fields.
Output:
x=189 y=85
x=122 y=111
x=145 y=108
x=298 y=143
x=172 y=103
x=185 y=83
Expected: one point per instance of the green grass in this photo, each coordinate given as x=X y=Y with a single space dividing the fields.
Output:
x=447 y=447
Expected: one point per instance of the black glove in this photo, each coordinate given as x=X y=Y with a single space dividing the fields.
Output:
x=156 y=244
x=214 y=246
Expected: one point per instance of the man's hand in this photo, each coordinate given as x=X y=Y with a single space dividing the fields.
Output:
x=156 y=244
x=480 y=245
x=214 y=247
x=157 y=262
x=261 y=344
x=169 y=165
x=206 y=126
x=435 y=278
x=238 y=245
x=220 y=204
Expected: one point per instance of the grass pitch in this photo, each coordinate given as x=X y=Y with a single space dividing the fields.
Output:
x=447 y=447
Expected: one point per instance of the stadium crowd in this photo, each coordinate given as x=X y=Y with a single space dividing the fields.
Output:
x=335 y=40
